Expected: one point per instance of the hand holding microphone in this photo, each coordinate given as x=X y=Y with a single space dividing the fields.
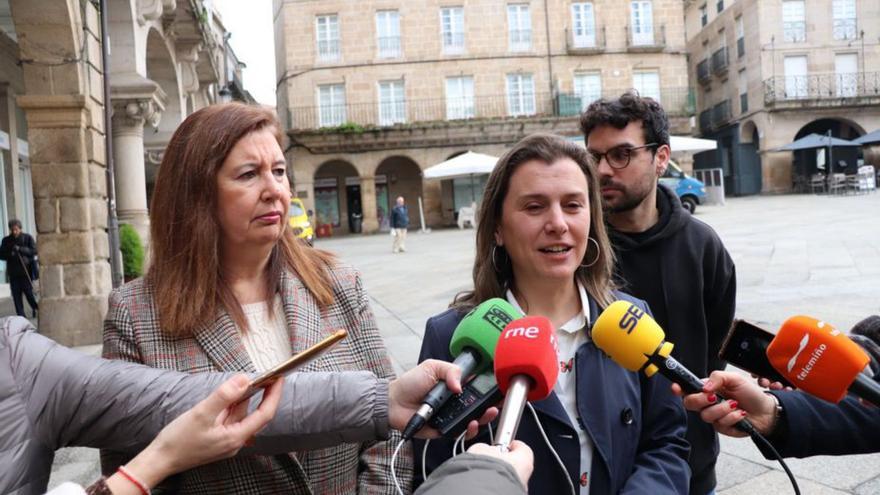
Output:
x=635 y=341
x=473 y=345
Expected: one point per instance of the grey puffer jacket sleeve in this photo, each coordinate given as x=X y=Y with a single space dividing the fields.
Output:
x=472 y=474
x=54 y=397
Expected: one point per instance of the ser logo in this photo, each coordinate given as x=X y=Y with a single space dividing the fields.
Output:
x=497 y=317
x=630 y=319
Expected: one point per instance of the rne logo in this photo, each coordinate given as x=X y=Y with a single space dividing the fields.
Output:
x=527 y=332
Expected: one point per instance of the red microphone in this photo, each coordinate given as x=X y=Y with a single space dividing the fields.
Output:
x=821 y=360
x=525 y=369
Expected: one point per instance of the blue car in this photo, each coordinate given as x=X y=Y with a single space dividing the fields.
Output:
x=690 y=191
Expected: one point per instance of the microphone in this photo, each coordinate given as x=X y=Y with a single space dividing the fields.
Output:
x=473 y=345
x=822 y=361
x=525 y=368
x=636 y=342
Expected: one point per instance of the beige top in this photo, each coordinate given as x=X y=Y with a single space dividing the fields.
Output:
x=266 y=341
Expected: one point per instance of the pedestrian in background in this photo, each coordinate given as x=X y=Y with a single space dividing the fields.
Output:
x=399 y=223
x=18 y=250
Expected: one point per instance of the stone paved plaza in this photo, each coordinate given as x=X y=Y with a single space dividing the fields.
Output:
x=813 y=255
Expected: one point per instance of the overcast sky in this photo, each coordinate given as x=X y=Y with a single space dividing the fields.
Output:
x=253 y=41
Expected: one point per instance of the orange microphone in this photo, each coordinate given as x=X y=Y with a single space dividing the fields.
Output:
x=821 y=360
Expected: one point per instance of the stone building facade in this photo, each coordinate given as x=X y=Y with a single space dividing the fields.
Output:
x=374 y=92
x=168 y=58
x=770 y=72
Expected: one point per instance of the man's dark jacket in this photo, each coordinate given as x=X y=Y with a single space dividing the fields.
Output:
x=636 y=424
x=681 y=268
x=26 y=249
x=399 y=217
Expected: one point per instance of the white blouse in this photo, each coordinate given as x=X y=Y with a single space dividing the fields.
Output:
x=266 y=340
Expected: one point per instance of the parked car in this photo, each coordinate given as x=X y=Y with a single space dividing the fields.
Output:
x=298 y=219
x=690 y=191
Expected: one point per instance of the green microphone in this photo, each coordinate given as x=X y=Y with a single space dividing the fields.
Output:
x=473 y=345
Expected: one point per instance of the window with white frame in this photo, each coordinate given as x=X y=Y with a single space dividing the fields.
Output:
x=392 y=102
x=642 y=23
x=460 y=98
x=796 y=77
x=520 y=94
x=743 y=91
x=794 y=24
x=331 y=105
x=327 y=32
x=519 y=27
x=452 y=29
x=583 y=24
x=844 y=13
x=587 y=87
x=647 y=83
x=388 y=33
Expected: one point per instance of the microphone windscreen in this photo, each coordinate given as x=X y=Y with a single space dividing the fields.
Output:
x=816 y=357
x=480 y=328
x=527 y=346
x=628 y=335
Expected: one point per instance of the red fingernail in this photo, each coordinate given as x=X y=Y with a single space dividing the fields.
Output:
x=733 y=404
x=742 y=413
x=712 y=398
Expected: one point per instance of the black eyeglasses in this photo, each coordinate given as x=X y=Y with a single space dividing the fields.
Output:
x=618 y=157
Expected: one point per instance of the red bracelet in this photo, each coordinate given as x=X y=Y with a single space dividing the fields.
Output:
x=131 y=477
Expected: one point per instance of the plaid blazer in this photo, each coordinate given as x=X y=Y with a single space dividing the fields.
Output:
x=132 y=333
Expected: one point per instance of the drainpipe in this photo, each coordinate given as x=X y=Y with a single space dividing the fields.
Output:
x=112 y=220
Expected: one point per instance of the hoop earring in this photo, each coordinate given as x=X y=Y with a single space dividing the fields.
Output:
x=494 y=263
x=598 y=252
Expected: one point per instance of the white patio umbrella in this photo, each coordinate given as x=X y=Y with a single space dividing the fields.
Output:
x=465 y=165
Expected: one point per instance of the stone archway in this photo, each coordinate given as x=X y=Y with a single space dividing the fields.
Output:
x=841 y=160
x=63 y=103
x=337 y=195
x=397 y=176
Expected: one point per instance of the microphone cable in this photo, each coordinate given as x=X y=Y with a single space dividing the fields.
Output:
x=759 y=440
x=552 y=450
x=393 y=471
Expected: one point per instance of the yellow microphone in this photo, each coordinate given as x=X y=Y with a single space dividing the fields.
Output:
x=636 y=342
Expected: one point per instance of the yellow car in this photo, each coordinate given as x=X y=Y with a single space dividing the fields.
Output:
x=299 y=221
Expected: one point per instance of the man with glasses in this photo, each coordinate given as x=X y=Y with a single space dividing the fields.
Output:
x=665 y=256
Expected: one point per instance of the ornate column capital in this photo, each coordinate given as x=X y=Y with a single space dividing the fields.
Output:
x=137 y=101
x=188 y=59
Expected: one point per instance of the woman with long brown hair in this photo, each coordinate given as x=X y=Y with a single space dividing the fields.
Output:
x=542 y=245
x=229 y=288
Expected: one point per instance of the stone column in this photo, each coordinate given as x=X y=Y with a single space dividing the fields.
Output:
x=368 y=203
x=130 y=114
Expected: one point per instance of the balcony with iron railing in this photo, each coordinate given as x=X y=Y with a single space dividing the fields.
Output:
x=706 y=121
x=642 y=41
x=720 y=63
x=389 y=46
x=453 y=43
x=520 y=40
x=844 y=29
x=703 y=75
x=328 y=50
x=721 y=114
x=585 y=45
x=794 y=32
x=677 y=101
x=822 y=90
